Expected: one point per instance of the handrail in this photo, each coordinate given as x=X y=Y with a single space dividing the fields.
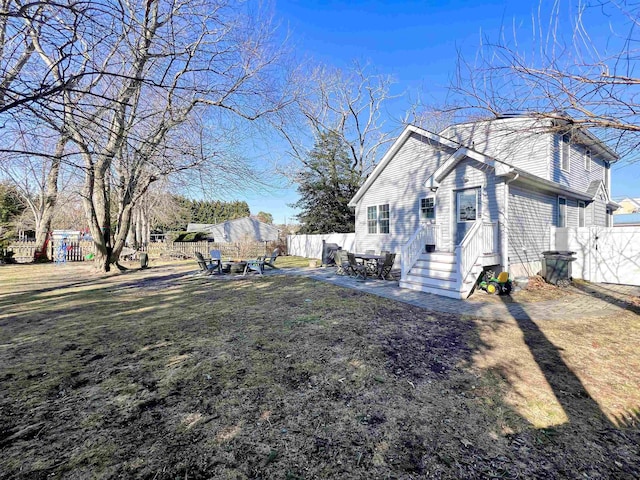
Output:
x=480 y=238
x=427 y=233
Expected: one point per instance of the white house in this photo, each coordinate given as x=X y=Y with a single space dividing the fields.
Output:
x=479 y=195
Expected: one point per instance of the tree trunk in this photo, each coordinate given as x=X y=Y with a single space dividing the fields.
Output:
x=50 y=197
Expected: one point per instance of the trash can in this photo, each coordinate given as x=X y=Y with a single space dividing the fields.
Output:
x=144 y=260
x=556 y=266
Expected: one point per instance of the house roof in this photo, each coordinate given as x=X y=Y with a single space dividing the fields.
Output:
x=406 y=133
x=587 y=136
x=234 y=230
x=633 y=201
x=502 y=168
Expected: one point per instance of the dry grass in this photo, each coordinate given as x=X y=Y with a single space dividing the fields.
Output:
x=165 y=374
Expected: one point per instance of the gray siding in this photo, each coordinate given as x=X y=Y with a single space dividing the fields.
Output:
x=531 y=213
x=468 y=174
x=523 y=143
x=401 y=185
x=599 y=211
x=577 y=177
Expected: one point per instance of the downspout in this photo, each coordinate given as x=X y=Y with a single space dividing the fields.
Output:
x=505 y=226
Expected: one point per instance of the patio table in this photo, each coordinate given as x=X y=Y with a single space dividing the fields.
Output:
x=371 y=260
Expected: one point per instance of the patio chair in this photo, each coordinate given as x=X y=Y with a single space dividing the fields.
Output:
x=207 y=267
x=384 y=252
x=357 y=270
x=384 y=269
x=256 y=265
x=216 y=259
x=342 y=262
x=269 y=261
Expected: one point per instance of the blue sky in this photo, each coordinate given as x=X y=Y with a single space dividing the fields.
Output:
x=415 y=41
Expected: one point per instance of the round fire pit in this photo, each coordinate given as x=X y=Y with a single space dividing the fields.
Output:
x=233 y=267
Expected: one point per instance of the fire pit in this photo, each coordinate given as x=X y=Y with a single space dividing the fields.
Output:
x=233 y=267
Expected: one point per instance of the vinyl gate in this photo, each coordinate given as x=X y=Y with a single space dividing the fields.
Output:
x=604 y=254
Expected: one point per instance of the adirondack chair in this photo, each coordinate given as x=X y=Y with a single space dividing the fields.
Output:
x=256 y=265
x=358 y=270
x=384 y=269
x=207 y=267
x=269 y=261
x=216 y=259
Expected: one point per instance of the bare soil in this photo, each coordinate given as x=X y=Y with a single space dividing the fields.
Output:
x=163 y=374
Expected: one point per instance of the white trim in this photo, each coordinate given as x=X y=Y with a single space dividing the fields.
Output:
x=558 y=212
x=378 y=220
x=476 y=190
x=565 y=144
x=427 y=196
x=588 y=158
x=404 y=136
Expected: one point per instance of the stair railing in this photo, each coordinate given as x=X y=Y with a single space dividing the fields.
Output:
x=479 y=240
x=426 y=234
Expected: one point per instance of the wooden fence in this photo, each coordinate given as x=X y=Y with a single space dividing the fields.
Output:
x=23 y=252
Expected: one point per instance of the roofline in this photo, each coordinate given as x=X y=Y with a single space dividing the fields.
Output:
x=393 y=149
x=548 y=185
x=613 y=156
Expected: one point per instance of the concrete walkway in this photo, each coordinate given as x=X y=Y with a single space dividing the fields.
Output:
x=598 y=300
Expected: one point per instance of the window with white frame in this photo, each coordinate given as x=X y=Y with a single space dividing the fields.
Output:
x=378 y=218
x=383 y=218
x=372 y=219
x=587 y=160
x=581 y=211
x=562 y=212
x=427 y=209
x=566 y=152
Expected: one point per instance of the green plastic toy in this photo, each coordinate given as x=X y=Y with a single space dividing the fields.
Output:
x=500 y=285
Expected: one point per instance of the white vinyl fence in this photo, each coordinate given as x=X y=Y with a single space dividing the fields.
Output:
x=310 y=246
x=604 y=254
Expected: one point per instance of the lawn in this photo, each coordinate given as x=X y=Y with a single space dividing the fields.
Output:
x=163 y=374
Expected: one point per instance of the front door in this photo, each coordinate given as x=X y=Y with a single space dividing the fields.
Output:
x=466 y=212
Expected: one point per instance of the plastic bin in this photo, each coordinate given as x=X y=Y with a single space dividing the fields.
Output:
x=556 y=266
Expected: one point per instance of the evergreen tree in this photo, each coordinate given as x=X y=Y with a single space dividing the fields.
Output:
x=326 y=185
x=10 y=208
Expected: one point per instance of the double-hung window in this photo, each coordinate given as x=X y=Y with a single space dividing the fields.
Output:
x=562 y=212
x=587 y=160
x=566 y=152
x=427 y=209
x=378 y=219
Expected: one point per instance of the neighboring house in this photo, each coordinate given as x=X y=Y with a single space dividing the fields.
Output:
x=627 y=220
x=481 y=195
x=238 y=230
x=628 y=205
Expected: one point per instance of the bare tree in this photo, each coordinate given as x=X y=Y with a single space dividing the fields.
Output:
x=161 y=70
x=348 y=103
x=24 y=27
x=567 y=75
